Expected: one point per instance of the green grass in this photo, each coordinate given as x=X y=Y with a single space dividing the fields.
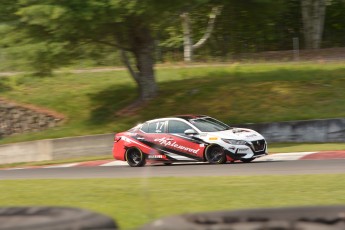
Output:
x=304 y=147
x=134 y=202
x=235 y=94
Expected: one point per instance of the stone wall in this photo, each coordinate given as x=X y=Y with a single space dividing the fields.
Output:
x=16 y=118
x=318 y=130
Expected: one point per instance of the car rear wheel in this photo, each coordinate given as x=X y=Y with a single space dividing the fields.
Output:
x=247 y=160
x=215 y=155
x=135 y=158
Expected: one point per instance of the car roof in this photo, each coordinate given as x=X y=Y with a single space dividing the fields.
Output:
x=189 y=116
x=185 y=117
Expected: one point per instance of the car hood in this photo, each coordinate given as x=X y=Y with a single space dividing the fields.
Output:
x=237 y=134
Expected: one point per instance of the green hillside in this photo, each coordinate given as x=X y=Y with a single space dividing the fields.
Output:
x=235 y=94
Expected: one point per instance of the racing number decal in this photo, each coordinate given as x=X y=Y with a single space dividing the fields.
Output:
x=160 y=127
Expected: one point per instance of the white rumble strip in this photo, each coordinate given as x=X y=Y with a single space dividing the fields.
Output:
x=284 y=156
x=62 y=166
x=115 y=163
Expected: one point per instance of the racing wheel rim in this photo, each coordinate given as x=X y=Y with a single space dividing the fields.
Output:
x=215 y=155
x=135 y=158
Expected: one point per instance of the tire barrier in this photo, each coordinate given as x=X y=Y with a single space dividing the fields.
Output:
x=292 y=218
x=53 y=218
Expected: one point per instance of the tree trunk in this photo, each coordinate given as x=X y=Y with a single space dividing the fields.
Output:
x=142 y=46
x=146 y=76
x=187 y=34
x=313 y=13
x=187 y=38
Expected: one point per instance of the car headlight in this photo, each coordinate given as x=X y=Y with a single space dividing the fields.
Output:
x=234 y=142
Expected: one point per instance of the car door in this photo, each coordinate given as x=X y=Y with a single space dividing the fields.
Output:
x=180 y=145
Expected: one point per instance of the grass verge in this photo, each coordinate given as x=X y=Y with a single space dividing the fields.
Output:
x=304 y=147
x=133 y=202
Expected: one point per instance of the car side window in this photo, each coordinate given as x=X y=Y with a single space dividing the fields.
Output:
x=177 y=126
x=157 y=127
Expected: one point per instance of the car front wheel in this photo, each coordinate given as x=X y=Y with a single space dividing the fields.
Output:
x=215 y=155
x=135 y=158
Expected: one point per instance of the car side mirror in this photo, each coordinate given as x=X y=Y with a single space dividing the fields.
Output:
x=190 y=132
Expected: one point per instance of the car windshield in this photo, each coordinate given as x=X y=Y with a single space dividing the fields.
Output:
x=208 y=124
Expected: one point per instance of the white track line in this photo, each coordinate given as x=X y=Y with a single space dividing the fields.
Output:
x=115 y=163
x=62 y=166
x=284 y=156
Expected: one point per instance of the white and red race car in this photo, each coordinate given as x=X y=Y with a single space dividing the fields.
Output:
x=187 y=138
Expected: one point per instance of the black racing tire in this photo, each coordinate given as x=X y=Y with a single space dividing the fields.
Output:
x=247 y=160
x=53 y=218
x=135 y=157
x=291 y=218
x=167 y=163
x=215 y=154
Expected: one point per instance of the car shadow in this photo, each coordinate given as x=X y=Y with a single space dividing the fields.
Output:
x=159 y=164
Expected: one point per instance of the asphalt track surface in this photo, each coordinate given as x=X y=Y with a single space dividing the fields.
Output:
x=298 y=167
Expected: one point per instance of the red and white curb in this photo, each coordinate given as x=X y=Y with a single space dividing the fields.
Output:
x=323 y=155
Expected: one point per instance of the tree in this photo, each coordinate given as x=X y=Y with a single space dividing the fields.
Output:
x=313 y=12
x=187 y=33
x=51 y=31
x=242 y=27
x=334 y=29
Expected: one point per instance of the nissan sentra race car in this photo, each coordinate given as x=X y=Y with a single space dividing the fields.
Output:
x=187 y=138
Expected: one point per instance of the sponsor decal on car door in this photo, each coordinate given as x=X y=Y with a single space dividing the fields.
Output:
x=181 y=148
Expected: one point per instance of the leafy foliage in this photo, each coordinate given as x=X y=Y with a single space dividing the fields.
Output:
x=51 y=31
x=47 y=34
